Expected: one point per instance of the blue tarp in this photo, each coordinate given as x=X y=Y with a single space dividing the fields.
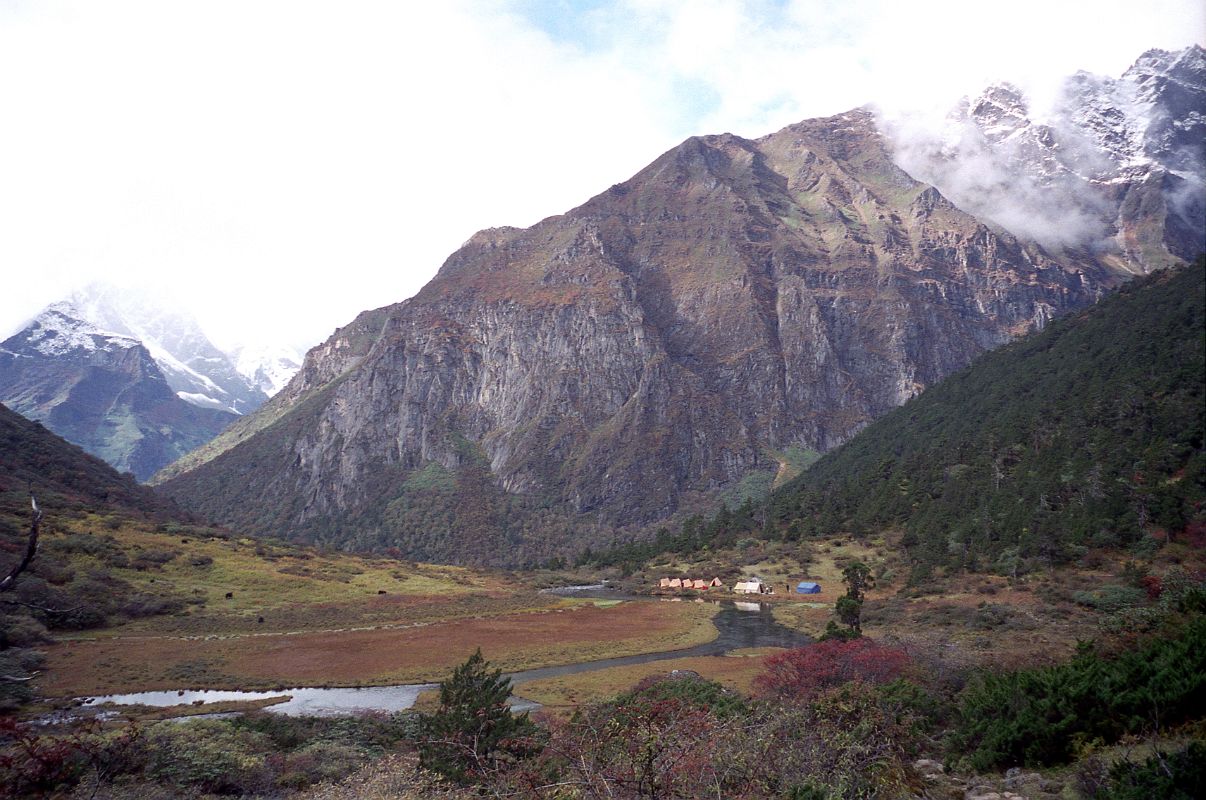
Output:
x=808 y=587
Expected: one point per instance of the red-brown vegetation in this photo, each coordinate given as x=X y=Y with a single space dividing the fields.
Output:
x=804 y=672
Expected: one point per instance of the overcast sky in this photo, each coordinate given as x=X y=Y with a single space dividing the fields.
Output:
x=279 y=166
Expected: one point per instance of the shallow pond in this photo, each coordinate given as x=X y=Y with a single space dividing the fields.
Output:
x=304 y=701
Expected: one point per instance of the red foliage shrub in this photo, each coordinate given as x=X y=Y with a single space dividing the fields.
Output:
x=1153 y=585
x=32 y=764
x=805 y=671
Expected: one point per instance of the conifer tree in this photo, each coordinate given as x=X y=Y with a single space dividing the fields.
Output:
x=849 y=607
x=473 y=730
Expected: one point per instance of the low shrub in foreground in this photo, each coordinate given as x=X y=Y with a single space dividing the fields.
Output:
x=662 y=741
x=1042 y=716
x=1180 y=775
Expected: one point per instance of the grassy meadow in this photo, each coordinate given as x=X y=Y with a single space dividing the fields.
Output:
x=254 y=615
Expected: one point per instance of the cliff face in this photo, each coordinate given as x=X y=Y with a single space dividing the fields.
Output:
x=612 y=365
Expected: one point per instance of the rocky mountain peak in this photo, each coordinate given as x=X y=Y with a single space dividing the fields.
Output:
x=61 y=330
x=1000 y=112
x=1115 y=165
x=101 y=390
x=622 y=362
x=195 y=368
x=1183 y=66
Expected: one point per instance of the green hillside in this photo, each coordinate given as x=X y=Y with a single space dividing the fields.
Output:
x=62 y=476
x=1088 y=434
x=72 y=582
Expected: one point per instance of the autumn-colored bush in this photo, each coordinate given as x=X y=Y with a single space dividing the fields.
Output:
x=644 y=746
x=33 y=764
x=846 y=743
x=806 y=671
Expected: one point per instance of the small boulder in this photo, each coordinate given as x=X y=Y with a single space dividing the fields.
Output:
x=982 y=793
x=928 y=767
x=1015 y=778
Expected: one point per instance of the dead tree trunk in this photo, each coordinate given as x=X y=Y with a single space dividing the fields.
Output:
x=31 y=548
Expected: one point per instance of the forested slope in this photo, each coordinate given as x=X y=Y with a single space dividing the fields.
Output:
x=1087 y=434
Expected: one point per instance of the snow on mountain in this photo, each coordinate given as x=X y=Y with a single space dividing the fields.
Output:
x=268 y=367
x=60 y=330
x=1174 y=86
x=102 y=390
x=195 y=368
x=1114 y=164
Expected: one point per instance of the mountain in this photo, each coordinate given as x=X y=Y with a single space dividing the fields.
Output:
x=268 y=367
x=621 y=362
x=673 y=336
x=194 y=367
x=1089 y=433
x=1113 y=165
x=102 y=391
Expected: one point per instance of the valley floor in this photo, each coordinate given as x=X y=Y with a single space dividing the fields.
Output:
x=400 y=652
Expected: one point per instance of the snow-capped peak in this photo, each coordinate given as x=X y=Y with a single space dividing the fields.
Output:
x=61 y=328
x=268 y=367
x=196 y=370
x=1070 y=174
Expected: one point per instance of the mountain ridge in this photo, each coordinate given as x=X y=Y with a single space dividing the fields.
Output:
x=623 y=362
x=196 y=369
x=727 y=268
x=35 y=460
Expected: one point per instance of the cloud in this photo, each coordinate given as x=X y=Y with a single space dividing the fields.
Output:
x=282 y=165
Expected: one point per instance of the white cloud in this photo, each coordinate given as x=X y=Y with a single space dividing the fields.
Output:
x=282 y=165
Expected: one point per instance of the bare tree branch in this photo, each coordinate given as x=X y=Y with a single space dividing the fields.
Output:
x=13 y=679
x=31 y=549
x=41 y=608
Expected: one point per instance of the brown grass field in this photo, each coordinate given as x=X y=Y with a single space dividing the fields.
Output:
x=426 y=652
x=301 y=617
x=560 y=696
